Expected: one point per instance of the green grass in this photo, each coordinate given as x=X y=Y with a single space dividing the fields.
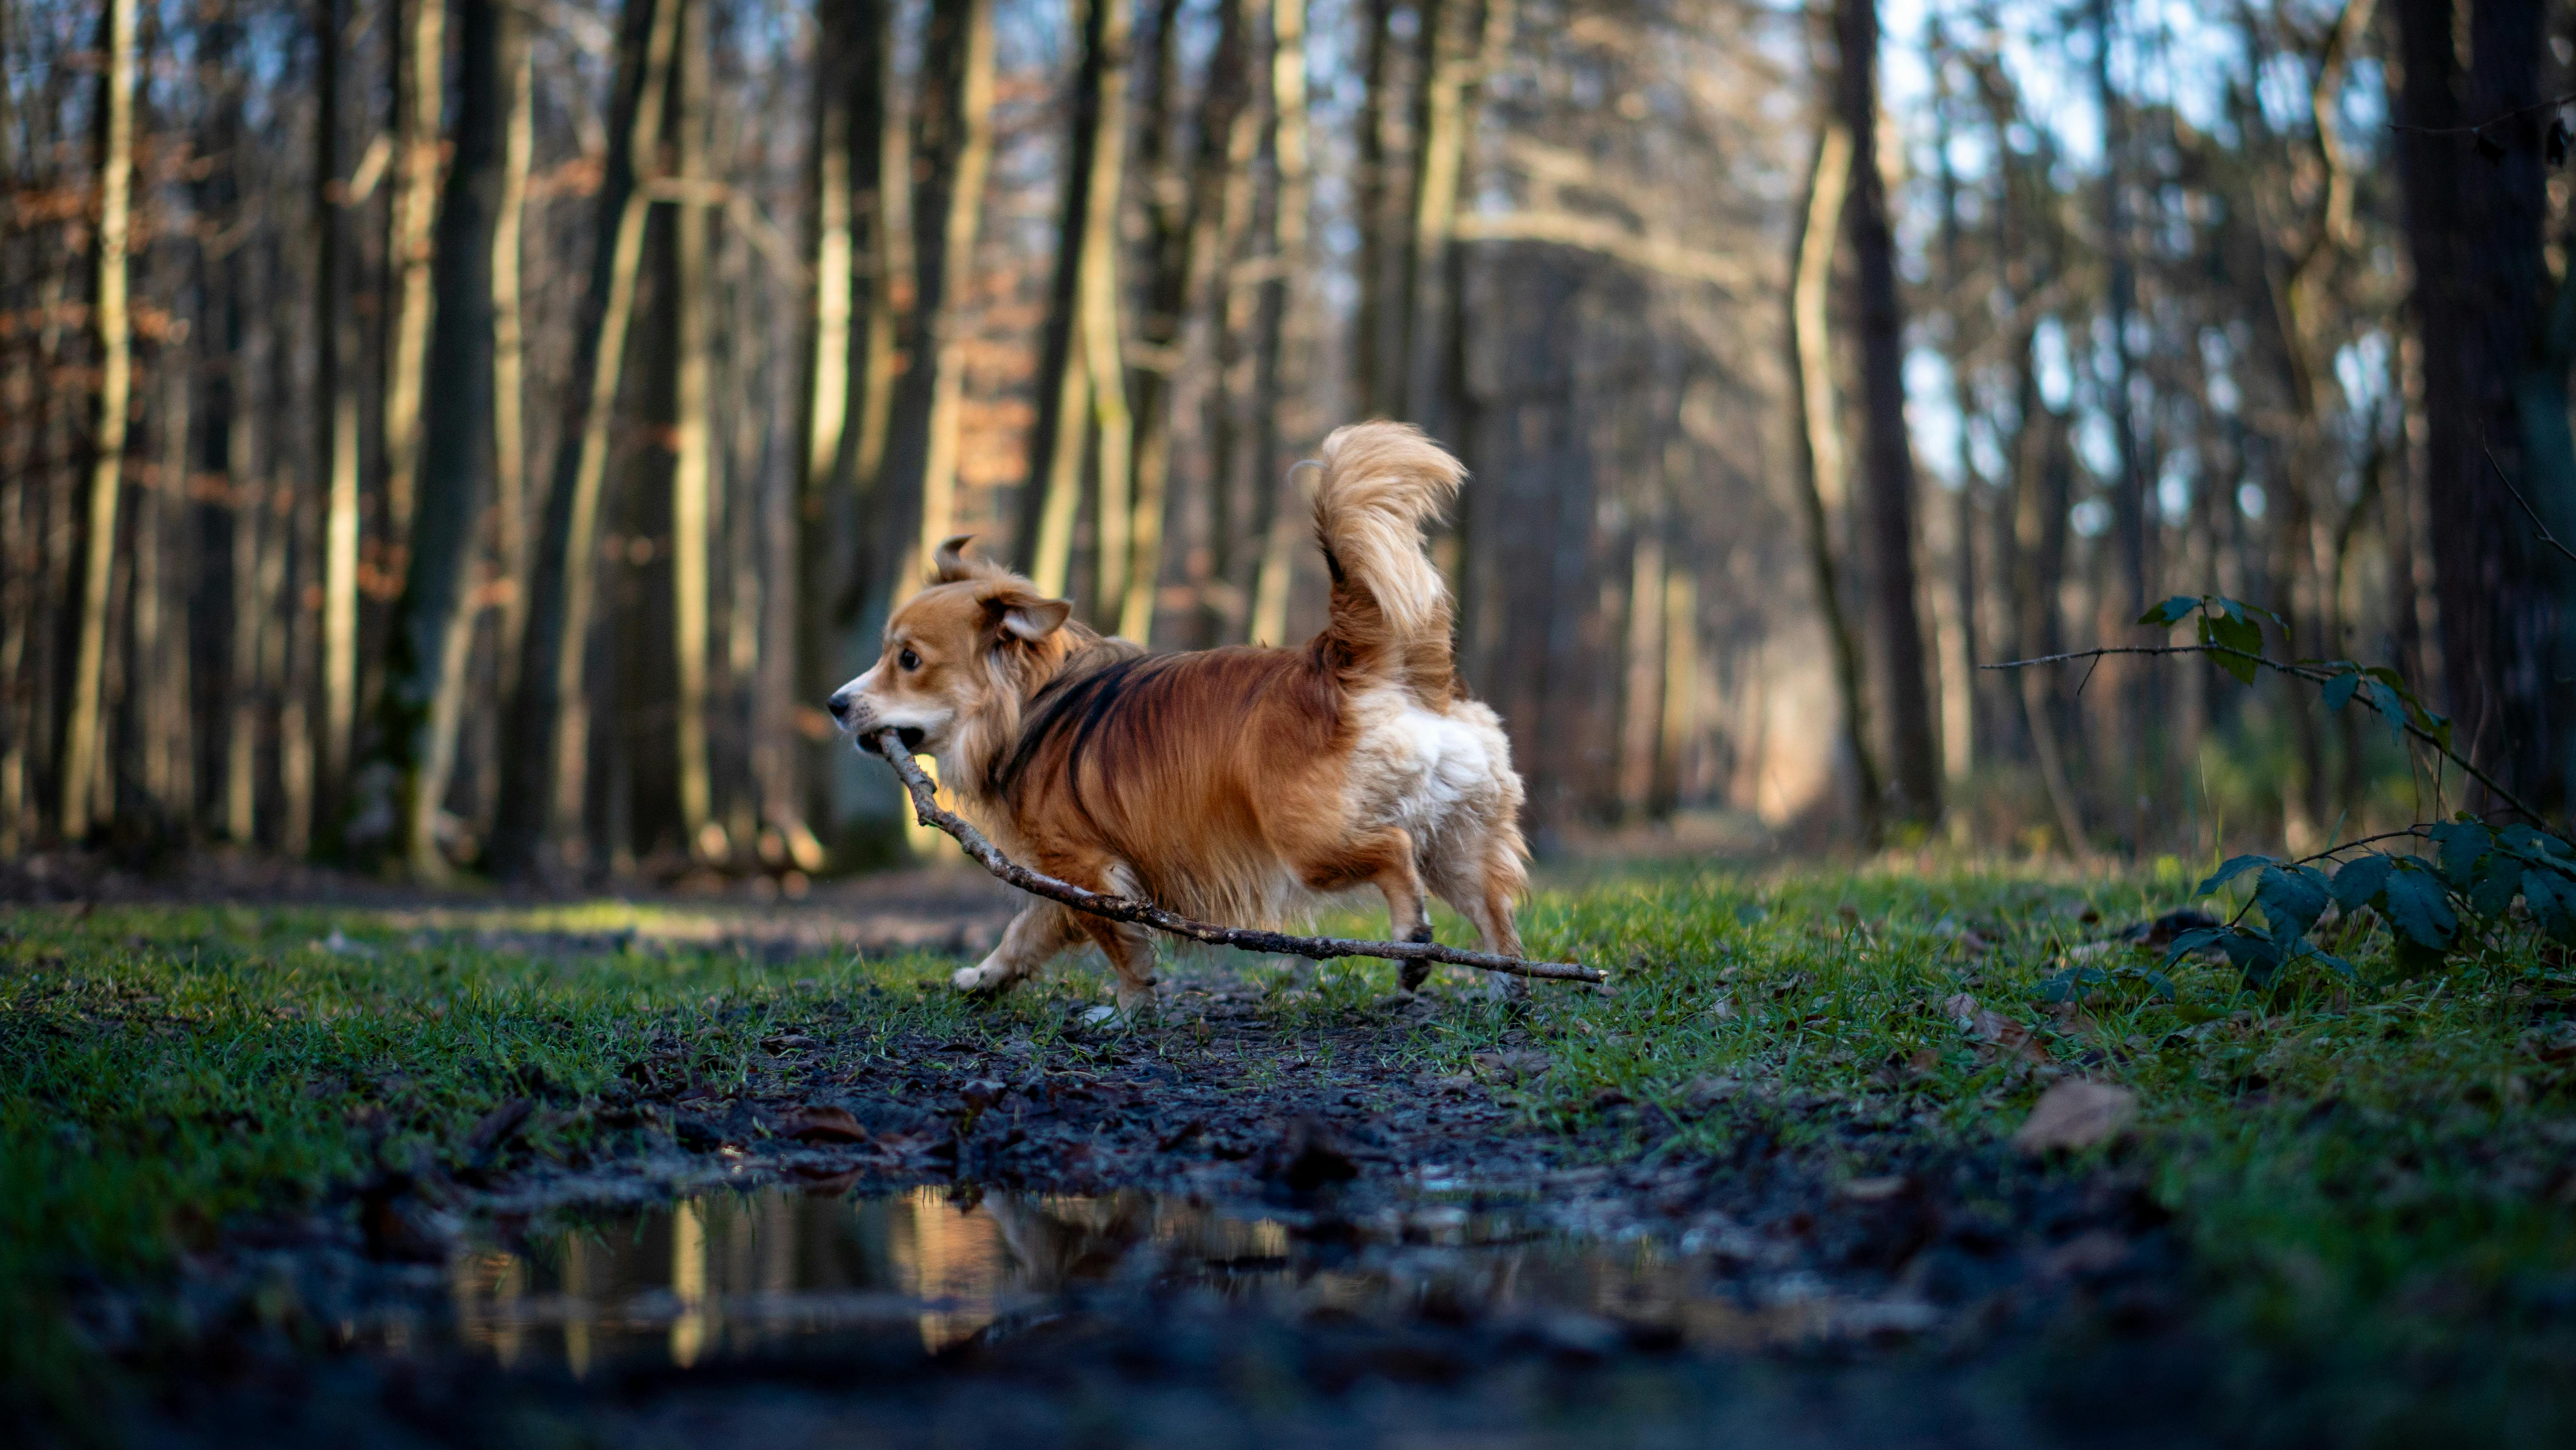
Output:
x=2373 y=1173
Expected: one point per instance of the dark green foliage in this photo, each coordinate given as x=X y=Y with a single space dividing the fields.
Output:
x=2473 y=878
x=2229 y=630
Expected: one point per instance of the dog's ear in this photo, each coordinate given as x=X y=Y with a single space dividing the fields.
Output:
x=949 y=564
x=1023 y=615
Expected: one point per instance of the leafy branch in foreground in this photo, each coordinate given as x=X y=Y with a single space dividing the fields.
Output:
x=2233 y=640
x=2430 y=905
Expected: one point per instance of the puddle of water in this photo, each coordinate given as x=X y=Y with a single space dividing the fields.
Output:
x=732 y=1274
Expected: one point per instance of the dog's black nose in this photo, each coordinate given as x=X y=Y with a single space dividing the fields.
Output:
x=840 y=705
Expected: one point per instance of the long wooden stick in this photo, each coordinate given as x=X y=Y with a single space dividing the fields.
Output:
x=925 y=805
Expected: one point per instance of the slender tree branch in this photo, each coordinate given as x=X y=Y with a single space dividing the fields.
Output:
x=925 y=805
x=2546 y=537
x=2343 y=846
x=2309 y=673
x=2480 y=128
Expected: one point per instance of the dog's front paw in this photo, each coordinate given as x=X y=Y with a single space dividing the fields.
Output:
x=982 y=980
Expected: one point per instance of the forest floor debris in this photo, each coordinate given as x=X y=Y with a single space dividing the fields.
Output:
x=299 y=1174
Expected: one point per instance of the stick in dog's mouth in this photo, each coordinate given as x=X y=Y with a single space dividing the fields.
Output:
x=896 y=749
x=873 y=742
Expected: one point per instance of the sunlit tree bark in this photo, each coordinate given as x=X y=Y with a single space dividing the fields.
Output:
x=544 y=780
x=83 y=736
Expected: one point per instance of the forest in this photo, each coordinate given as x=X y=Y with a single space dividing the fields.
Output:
x=2024 y=550
x=459 y=436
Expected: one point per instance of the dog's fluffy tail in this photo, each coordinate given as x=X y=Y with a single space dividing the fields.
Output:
x=1390 y=607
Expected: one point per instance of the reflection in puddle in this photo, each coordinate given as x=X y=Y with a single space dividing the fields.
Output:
x=730 y=1274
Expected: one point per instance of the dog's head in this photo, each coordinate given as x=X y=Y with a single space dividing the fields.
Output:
x=974 y=642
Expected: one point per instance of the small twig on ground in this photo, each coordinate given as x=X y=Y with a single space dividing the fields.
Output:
x=925 y=805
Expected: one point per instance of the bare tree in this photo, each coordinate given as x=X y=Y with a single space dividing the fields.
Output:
x=1082 y=384
x=1887 y=467
x=1277 y=358
x=1822 y=487
x=83 y=745
x=424 y=698
x=953 y=141
x=543 y=776
x=2495 y=341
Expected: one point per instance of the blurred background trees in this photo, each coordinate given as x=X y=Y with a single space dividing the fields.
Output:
x=475 y=434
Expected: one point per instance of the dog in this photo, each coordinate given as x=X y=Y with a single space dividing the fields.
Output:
x=1239 y=785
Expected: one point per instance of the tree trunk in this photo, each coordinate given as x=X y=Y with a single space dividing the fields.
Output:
x=1226 y=153
x=1104 y=360
x=337 y=449
x=1371 y=369
x=954 y=141
x=1277 y=374
x=424 y=699
x=509 y=348
x=1821 y=473
x=1179 y=217
x=848 y=369
x=692 y=469
x=420 y=95
x=1888 y=462
x=2473 y=227
x=1454 y=33
x=1083 y=331
x=83 y=743
x=544 y=783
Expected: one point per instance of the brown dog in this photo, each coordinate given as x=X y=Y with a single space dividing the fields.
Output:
x=1234 y=785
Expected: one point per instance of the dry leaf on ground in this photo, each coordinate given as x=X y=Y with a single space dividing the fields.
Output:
x=2076 y=1113
x=1510 y=1066
x=825 y=1125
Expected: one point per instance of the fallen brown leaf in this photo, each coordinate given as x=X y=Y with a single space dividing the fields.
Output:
x=825 y=1125
x=2076 y=1113
x=2005 y=1037
x=1510 y=1066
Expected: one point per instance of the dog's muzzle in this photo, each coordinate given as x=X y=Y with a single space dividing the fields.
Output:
x=854 y=717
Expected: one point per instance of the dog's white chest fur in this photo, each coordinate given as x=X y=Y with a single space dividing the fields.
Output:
x=1419 y=769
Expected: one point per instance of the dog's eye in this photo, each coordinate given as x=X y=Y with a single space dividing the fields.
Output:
x=909 y=660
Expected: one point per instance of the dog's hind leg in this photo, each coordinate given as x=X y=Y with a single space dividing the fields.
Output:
x=1399 y=879
x=1033 y=938
x=1478 y=872
x=1130 y=950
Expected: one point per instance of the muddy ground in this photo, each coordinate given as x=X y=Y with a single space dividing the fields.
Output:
x=1880 y=1291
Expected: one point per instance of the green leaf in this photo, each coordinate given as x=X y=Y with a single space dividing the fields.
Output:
x=2172 y=611
x=2552 y=899
x=2163 y=984
x=2340 y=967
x=2391 y=709
x=2257 y=958
x=2498 y=879
x=2415 y=903
x=2533 y=844
x=2461 y=844
x=2237 y=633
x=2359 y=880
x=2292 y=898
x=2338 y=691
x=2072 y=983
x=2232 y=868
x=2198 y=939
